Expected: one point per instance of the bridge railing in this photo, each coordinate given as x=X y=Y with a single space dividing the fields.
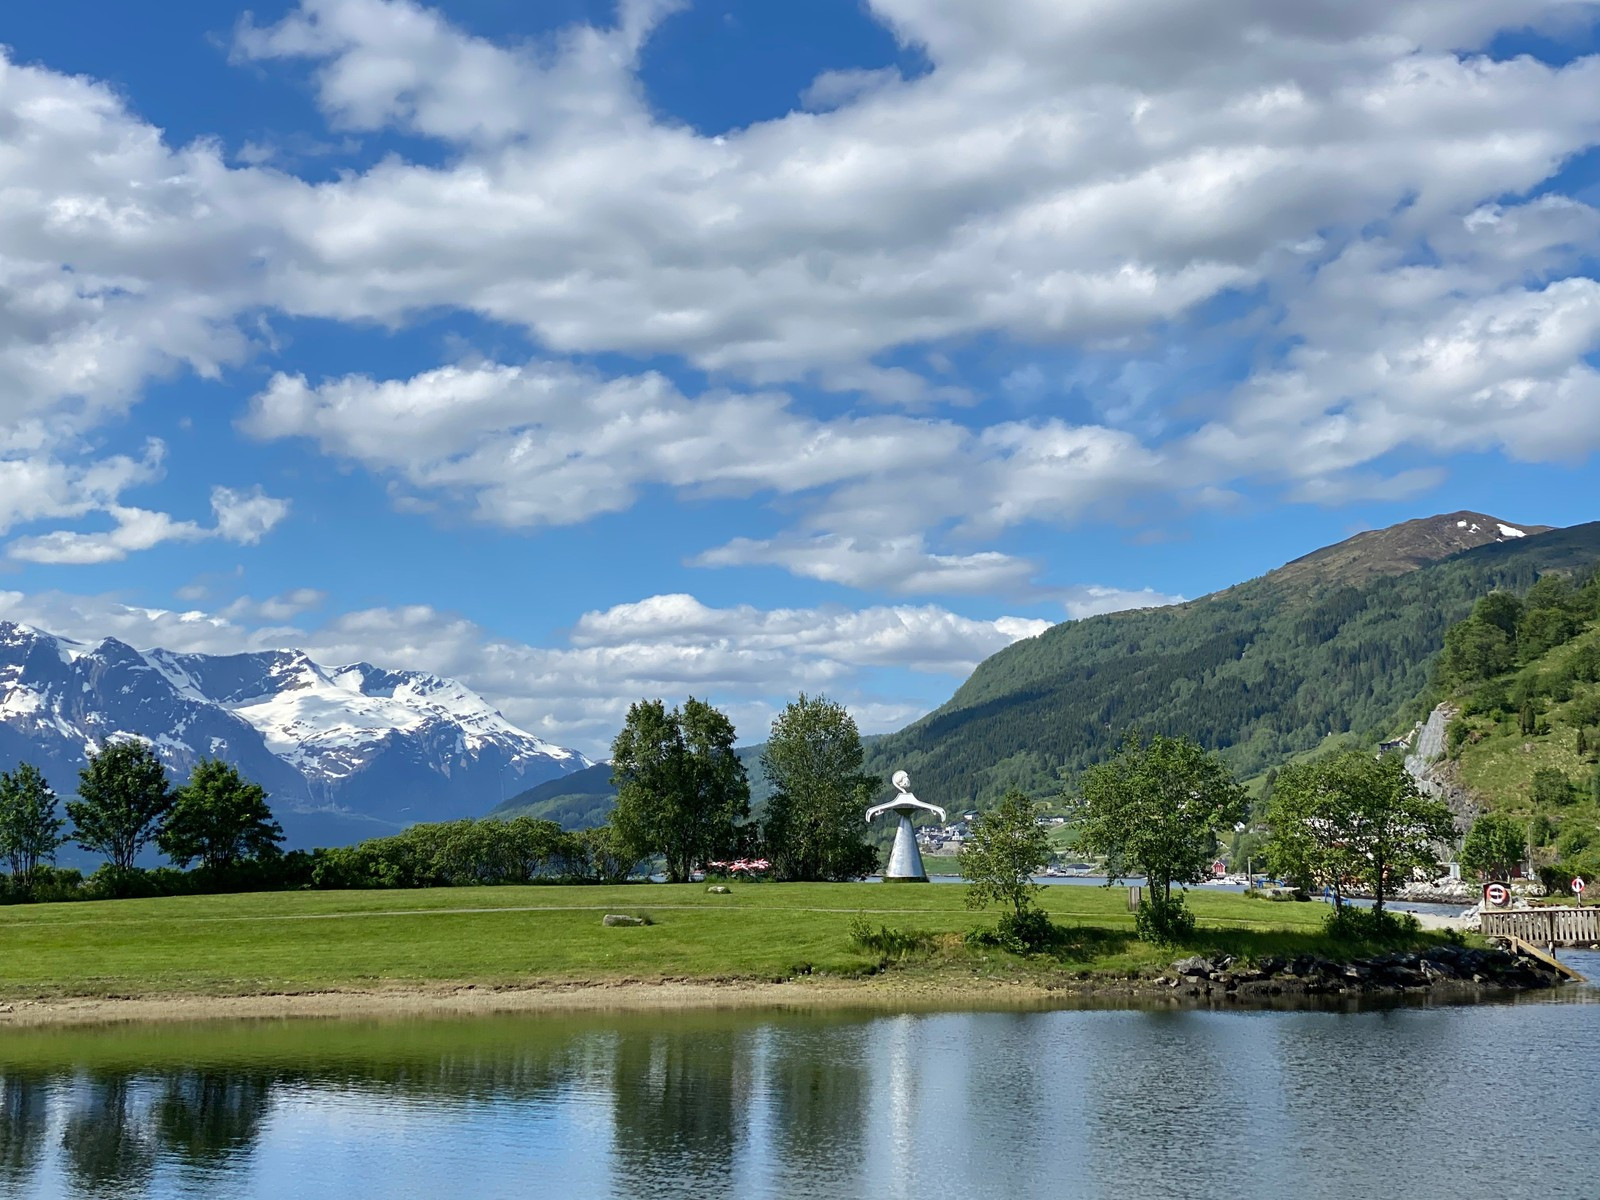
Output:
x=1544 y=926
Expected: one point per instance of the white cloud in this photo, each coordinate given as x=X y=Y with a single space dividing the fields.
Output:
x=120 y=257
x=246 y=517
x=1090 y=600
x=831 y=89
x=241 y=517
x=750 y=661
x=135 y=529
x=1065 y=175
x=900 y=565
x=42 y=487
x=551 y=444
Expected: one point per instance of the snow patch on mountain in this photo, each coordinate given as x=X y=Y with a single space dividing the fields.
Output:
x=354 y=740
x=1510 y=531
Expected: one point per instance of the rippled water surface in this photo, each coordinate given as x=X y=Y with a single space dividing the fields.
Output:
x=1485 y=1100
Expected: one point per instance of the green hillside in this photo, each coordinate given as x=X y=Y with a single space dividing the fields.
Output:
x=1527 y=738
x=1337 y=642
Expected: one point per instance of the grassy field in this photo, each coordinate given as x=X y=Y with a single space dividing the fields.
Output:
x=307 y=941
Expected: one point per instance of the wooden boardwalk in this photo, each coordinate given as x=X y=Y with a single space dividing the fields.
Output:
x=1544 y=926
x=1518 y=946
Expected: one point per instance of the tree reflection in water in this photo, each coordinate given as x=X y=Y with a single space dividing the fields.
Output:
x=24 y=1114
x=207 y=1118
x=679 y=1102
x=109 y=1150
x=817 y=1083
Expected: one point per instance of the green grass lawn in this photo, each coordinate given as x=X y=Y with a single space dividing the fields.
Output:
x=300 y=941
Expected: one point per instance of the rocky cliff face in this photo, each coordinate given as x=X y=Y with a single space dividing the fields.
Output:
x=1435 y=774
x=344 y=751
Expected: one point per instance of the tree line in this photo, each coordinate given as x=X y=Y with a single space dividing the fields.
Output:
x=683 y=795
x=683 y=800
x=125 y=802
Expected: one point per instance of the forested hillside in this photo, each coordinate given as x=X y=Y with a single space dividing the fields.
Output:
x=1524 y=676
x=1258 y=672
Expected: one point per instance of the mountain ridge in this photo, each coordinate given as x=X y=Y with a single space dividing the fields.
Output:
x=1259 y=671
x=344 y=751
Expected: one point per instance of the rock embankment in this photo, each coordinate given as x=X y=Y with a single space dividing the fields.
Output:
x=1441 y=968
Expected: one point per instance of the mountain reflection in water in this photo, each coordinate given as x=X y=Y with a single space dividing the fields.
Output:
x=1025 y=1103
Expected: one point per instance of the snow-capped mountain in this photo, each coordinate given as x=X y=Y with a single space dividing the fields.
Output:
x=345 y=752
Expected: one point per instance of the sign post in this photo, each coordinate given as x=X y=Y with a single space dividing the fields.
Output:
x=1577 y=888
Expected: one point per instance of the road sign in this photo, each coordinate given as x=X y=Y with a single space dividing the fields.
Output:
x=1497 y=894
x=1578 y=885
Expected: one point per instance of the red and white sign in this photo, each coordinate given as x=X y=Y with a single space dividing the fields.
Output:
x=1497 y=894
x=1578 y=885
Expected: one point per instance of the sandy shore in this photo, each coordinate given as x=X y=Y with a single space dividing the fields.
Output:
x=882 y=993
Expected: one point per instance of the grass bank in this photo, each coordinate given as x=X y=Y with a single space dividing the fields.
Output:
x=545 y=937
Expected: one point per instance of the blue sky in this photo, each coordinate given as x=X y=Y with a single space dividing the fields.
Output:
x=586 y=351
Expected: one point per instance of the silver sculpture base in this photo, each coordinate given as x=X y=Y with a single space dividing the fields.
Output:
x=905 y=860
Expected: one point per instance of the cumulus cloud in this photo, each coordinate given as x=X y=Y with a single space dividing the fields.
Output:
x=241 y=517
x=1063 y=173
x=246 y=517
x=749 y=660
x=135 y=529
x=1076 y=176
x=546 y=443
x=42 y=487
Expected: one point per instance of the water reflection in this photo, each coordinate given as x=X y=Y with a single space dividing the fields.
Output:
x=1083 y=1103
x=207 y=1118
x=679 y=1103
x=23 y=1122
x=107 y=1143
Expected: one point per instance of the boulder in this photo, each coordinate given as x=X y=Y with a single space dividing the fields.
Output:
x=621 y=919
x=1194 y=965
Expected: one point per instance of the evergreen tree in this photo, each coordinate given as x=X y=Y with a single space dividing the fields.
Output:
x=219 y=818
x=123 y=796
x=813 y=826
x=681 y=791
x=30 y=831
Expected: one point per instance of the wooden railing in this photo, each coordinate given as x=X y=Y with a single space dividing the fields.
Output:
x=1544 y=926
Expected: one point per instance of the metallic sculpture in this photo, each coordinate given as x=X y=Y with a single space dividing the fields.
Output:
x=905 y=860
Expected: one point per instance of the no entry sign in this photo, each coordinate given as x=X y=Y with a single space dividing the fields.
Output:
x=1497 y=894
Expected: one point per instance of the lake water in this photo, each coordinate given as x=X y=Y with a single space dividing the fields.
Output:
x=1489 y=1100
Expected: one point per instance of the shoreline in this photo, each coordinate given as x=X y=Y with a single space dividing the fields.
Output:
x=885 y=992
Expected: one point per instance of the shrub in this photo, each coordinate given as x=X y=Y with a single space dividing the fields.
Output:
x=1551 y=788
x=886 y=940
x=1574 y=842
x=1349 y=923
x=1164 y=922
